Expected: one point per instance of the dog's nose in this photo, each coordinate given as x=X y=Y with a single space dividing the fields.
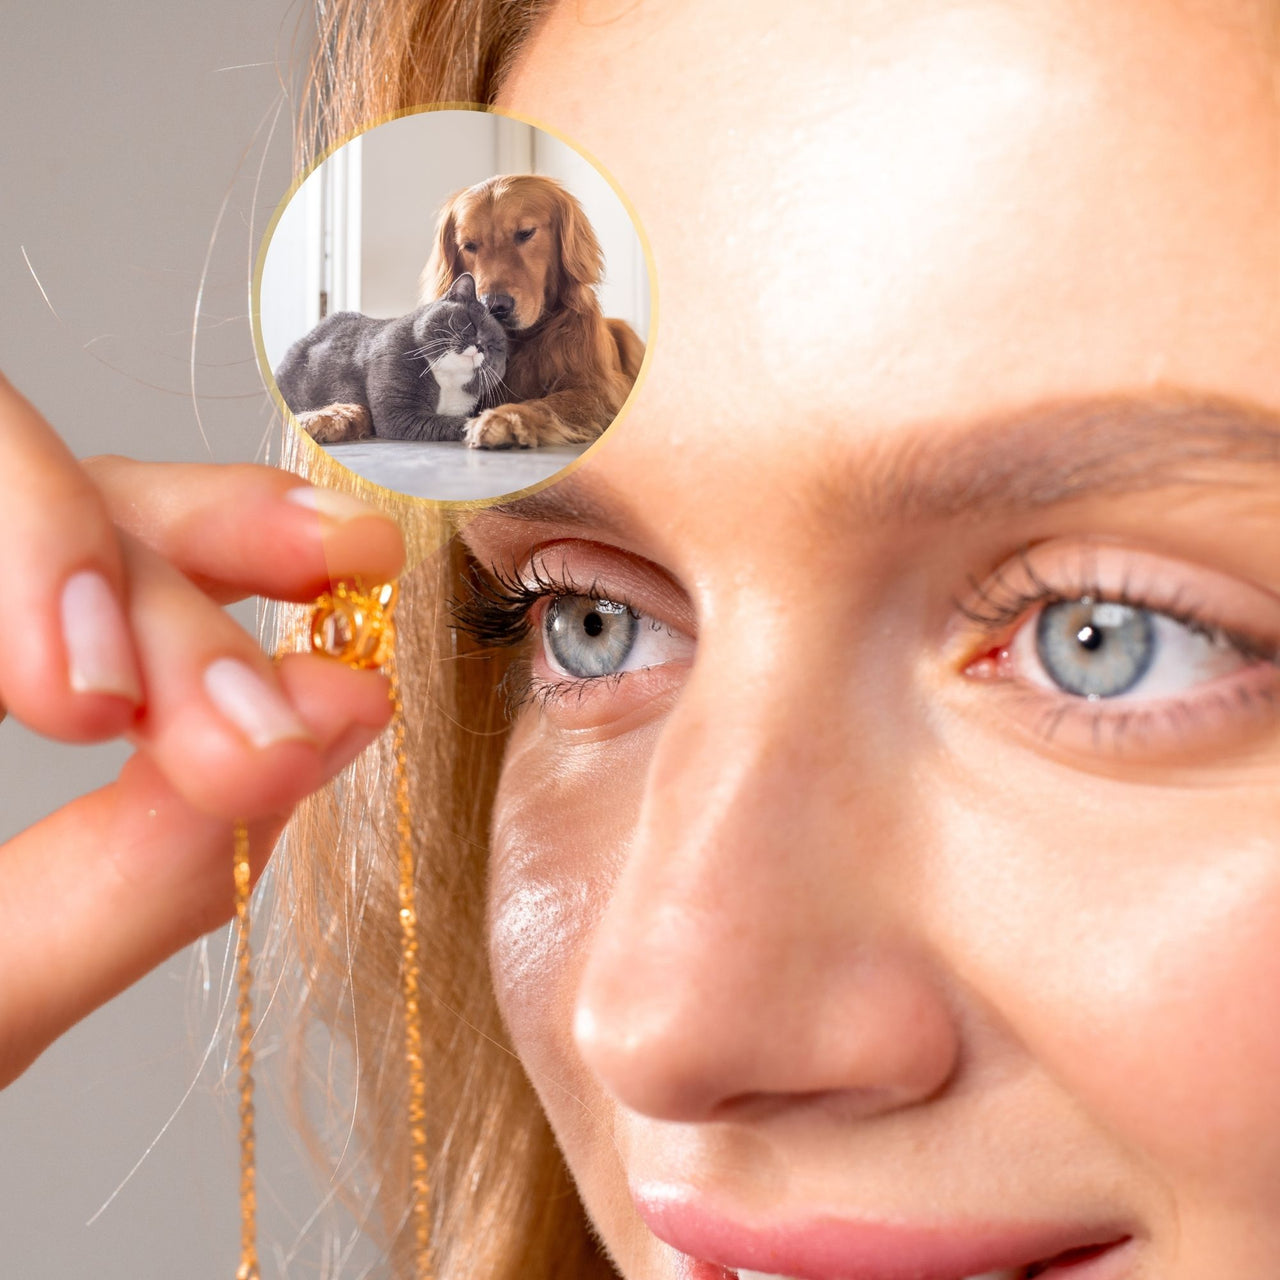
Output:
x=501 y=305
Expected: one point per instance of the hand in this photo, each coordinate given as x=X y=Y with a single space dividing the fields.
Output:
x=115 y=571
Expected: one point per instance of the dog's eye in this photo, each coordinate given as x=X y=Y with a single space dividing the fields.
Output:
x=469 y=247
x=525 y=235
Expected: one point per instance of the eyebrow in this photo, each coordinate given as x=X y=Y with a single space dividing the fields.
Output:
x=1059 y=451
x=1014 y=462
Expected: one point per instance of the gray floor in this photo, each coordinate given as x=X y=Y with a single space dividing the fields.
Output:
x=448 y=471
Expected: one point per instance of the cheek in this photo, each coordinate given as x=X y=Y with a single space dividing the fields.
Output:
x=1138 y=959
x=562 y=825
x=1189 y=1010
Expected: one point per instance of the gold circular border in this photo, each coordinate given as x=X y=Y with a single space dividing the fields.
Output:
x=460 y=508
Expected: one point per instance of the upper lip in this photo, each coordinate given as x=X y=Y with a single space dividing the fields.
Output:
x=827 y=1248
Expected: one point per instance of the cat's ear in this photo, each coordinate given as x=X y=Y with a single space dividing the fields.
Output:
x=443 y=264
x=463 y=289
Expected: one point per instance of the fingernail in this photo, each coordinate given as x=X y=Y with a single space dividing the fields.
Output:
x=258 y=710
x=99 y=650
x=332 y=503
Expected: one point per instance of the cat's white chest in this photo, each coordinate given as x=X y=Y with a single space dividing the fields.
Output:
x=452 y=372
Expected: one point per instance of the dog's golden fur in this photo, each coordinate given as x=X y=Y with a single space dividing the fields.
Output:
x=568 y=368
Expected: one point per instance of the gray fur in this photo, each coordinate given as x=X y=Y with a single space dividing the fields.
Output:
x=349 y=358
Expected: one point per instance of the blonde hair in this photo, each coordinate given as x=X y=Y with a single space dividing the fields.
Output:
x=503 y=1204
x=376 y=57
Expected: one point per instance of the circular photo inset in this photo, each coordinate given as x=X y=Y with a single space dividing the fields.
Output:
x=454 y=304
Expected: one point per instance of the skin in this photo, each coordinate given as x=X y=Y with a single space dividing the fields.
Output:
x=832 y=909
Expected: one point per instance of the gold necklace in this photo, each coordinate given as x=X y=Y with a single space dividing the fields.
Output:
x=354 y=625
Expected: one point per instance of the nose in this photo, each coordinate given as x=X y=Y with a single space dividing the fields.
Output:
x=755 y=951
x=501 y=306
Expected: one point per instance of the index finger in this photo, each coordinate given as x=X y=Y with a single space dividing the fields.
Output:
x=241 y=529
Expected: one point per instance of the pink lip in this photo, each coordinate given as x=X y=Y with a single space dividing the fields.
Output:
x=832 y=1249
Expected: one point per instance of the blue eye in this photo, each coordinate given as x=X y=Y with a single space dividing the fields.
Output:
x=1095 y=649
x=1105 y=649
x=588 y=638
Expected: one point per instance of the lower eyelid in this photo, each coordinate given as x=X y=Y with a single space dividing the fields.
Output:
x=608 y=704
x=1209 y=722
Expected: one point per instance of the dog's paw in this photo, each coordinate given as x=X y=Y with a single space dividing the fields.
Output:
x=505 y=427
x=336 y=422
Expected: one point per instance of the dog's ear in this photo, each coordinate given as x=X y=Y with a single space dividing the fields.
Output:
x=581 y=259
x=442 y=265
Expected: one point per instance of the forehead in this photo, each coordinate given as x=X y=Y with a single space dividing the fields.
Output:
x=502 y=209
x=885 y=214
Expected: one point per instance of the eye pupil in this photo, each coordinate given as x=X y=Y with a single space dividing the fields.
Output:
x=593 y=624
x=1090 y=637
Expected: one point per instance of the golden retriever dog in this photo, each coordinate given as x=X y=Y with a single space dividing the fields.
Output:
x=536 y=263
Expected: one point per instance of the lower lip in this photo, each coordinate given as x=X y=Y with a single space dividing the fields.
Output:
x=1109 y=1262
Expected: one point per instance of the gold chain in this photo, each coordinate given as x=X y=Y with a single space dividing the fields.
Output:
x=354 y=626
x=419 y=1184
x=248 y=1269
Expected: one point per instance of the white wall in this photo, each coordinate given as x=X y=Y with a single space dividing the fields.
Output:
x=412 y=165
x=292 y=274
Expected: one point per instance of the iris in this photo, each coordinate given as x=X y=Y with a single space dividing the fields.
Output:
x=588 y=638
x=1093 y=648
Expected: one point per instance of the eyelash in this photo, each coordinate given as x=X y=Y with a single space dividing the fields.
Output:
x=1001 y=604
x=495 y=612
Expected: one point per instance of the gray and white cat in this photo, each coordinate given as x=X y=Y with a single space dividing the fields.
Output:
x=419 y=376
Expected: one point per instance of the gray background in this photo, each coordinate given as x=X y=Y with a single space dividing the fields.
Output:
x=126 y=127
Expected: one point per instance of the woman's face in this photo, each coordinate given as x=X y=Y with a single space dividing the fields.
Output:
x=886 y=884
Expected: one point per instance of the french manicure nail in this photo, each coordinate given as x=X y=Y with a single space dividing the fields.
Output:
x=332 y=503
x=99 y=650
x=259 y=711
